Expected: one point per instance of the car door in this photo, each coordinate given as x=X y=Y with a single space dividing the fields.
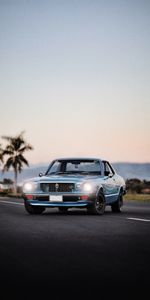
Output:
x=111 y=189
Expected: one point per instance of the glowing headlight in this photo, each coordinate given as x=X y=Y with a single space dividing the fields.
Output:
x=28 y=187
x=87 y=187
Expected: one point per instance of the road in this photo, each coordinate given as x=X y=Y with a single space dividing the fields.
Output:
x=57 y=251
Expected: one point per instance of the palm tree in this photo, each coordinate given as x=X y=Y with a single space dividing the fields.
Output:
x=14 y=150
x=1 y=153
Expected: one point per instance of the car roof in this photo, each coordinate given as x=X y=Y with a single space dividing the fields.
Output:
x=78 y=158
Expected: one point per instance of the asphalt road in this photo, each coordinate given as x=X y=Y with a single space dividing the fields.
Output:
x=56 y=251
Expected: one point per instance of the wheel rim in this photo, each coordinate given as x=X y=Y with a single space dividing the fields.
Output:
x=100 y=204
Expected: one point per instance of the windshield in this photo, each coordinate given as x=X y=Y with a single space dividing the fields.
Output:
x=91 y=167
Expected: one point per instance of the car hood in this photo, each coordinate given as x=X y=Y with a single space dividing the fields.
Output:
x=65 y=178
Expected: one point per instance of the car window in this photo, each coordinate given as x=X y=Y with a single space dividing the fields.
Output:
x=108 y=169
x=75 y=166
x=83 y=166
x=55 y=167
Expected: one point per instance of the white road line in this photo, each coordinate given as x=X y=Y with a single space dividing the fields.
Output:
x=9 y=202
x=138 y=219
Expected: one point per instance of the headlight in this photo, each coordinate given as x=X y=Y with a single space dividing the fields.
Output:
x=87 y=187
x=28 y=187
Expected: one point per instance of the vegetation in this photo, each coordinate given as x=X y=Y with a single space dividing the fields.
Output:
x=14 y=153
x=137 y=197
x=1 y=153
x=138 y=186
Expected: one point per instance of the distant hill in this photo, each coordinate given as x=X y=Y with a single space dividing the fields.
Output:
x=127 y=170
x=30 y=172
x=133 y=170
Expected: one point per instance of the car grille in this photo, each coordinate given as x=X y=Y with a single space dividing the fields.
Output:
x=57 y=187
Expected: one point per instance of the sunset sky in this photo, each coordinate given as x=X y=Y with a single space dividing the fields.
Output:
x=75 y=75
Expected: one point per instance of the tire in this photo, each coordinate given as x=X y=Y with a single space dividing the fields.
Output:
x=98 y=205
x=116 y=206
x=63 y=209
x=32 y=210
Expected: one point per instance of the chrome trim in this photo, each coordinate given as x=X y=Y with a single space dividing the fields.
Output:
x=80 y=203
x=111 y=195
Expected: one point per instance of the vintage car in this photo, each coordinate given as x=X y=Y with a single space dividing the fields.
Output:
x=89 y=183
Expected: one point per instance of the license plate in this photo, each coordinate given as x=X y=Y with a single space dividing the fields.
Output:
x=55 y=198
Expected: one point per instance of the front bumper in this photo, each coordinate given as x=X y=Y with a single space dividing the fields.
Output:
x=69 y=200
x=82 y=203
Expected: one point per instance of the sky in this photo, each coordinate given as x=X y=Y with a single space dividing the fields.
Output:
x=75 y=75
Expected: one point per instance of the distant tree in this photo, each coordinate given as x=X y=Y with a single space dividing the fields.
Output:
x=1 y=153
x=134 y=185
x=146 y=184
x=15 y=150
x=7 y=181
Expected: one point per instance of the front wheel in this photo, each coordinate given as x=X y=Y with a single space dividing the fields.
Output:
x=98 y=205
x=32 y=209
x=116 y=206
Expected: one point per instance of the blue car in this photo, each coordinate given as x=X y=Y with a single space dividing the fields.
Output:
x=89 y=183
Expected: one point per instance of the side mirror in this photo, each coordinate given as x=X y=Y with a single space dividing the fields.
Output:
x=106 y=173
x=41 y=174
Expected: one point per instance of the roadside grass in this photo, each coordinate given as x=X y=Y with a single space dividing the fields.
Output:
x=13 y=195
x=137 y=197
x=17 y=195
